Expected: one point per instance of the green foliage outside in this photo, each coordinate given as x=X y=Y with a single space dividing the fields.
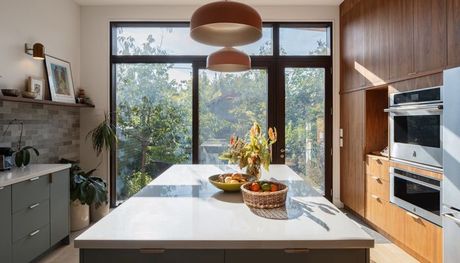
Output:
x=154 y=115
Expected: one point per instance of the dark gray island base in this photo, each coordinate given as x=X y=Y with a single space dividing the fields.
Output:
x=228 y=256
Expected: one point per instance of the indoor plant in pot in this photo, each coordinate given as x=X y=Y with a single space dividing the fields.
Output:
x=255 y=153
x=85 y=190
x=102 y=137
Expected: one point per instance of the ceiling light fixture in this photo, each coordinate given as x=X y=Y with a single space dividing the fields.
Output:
x=228 y=59
x=226 y=24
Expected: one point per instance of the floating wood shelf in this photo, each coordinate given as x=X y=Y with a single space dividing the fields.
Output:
x=45 y=102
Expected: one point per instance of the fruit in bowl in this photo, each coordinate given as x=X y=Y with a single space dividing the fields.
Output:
x=230 y=182
x=264 y=194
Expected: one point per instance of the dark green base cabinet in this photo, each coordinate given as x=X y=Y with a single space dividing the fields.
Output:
x=5 y=224
x=224 y=256
x=34 y=216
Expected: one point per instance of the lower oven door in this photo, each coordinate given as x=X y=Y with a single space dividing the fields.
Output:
x=415 y=193
x=416 y=135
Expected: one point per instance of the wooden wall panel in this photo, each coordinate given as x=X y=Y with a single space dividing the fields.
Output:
x=453 y=33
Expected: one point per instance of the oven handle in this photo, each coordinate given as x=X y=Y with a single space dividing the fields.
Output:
x=435 y=187
x=432 y=107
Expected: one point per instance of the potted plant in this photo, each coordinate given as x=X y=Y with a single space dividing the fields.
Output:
x=102 y=137
x=252 y=154
x=21 y=154
x=85 y=190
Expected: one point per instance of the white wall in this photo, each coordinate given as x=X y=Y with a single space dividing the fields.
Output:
x=95 y=58
x=54 y=23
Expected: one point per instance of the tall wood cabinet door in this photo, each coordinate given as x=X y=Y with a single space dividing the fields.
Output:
x=430 y=35
x=401 y=38
x=5 y=224
x=352 y=179
x=352 y=37
x=453 y=33
x=59 y=206
x=376 y=44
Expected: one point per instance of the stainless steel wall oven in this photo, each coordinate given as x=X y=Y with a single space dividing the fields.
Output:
x=416 y=126
x=418 y=194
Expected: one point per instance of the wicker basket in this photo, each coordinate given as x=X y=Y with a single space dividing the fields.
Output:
x=264 y=199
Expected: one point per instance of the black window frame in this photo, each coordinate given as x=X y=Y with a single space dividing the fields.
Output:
x=274 y=64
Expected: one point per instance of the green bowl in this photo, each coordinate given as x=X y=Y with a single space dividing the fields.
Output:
x=228 y=187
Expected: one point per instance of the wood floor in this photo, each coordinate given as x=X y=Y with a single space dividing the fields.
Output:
x=383 y=252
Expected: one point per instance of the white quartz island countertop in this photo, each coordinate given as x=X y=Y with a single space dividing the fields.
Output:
x=17 y=175
x=181 y=210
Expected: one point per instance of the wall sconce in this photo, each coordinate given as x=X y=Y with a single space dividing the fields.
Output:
x=37 y=51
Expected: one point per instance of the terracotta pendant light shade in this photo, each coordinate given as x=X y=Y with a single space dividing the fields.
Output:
x=228 y=59
x=226 y=24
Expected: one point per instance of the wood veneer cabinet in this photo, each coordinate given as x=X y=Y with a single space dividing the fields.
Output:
x=352 y=152
x=419 y=237
x=453 y=33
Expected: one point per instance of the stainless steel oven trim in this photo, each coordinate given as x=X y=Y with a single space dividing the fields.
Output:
x=425 y=155
x=391 y=97
x=436 y=219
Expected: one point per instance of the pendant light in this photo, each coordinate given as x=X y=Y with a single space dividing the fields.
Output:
x=226 y=24
x=228 y=59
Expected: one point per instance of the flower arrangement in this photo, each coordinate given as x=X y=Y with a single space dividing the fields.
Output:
x=252 y=154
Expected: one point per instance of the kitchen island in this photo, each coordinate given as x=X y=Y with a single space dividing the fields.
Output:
x=181 y=217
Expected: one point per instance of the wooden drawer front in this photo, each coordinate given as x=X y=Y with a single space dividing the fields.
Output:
x=151 y=256
x=395 y=221
x=423 y=237
x=378 y=167
x=30 y=192
x=29 y=247
x=376 y=211
x=377 y=187
x=28 y=220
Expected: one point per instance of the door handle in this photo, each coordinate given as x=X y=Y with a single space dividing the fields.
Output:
x=282 y=150
x=452 y=217
x=282 y=156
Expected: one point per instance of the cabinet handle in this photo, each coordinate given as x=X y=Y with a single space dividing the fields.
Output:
x=412 y=73
x=376 y=178
x=375 y=197
x=34 y=233
x=1 y=187
x=152 y=251
x=452 y=217
x=296 y=250
x=412 y=215
x=34 y=179
x=34 y=205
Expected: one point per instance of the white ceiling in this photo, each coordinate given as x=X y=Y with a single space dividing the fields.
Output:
x=200 y=2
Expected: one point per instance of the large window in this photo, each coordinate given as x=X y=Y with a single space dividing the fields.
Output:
x=169 y=109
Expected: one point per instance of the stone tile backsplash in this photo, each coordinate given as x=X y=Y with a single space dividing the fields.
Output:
x=53 y=130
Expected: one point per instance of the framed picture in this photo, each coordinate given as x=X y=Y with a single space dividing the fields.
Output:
x=36 y=85
x=59 y=80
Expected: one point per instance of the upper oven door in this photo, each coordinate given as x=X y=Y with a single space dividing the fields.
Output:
x=416 y=134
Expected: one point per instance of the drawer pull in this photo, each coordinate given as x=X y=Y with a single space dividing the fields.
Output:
x=452 y=217
x=412 y=215
x=34 y=205
x=152 y=251
x=376 y=178
x=1 y=188
x=34 y=179
x=34 y=233
x=296 y=251
x=375 y=197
